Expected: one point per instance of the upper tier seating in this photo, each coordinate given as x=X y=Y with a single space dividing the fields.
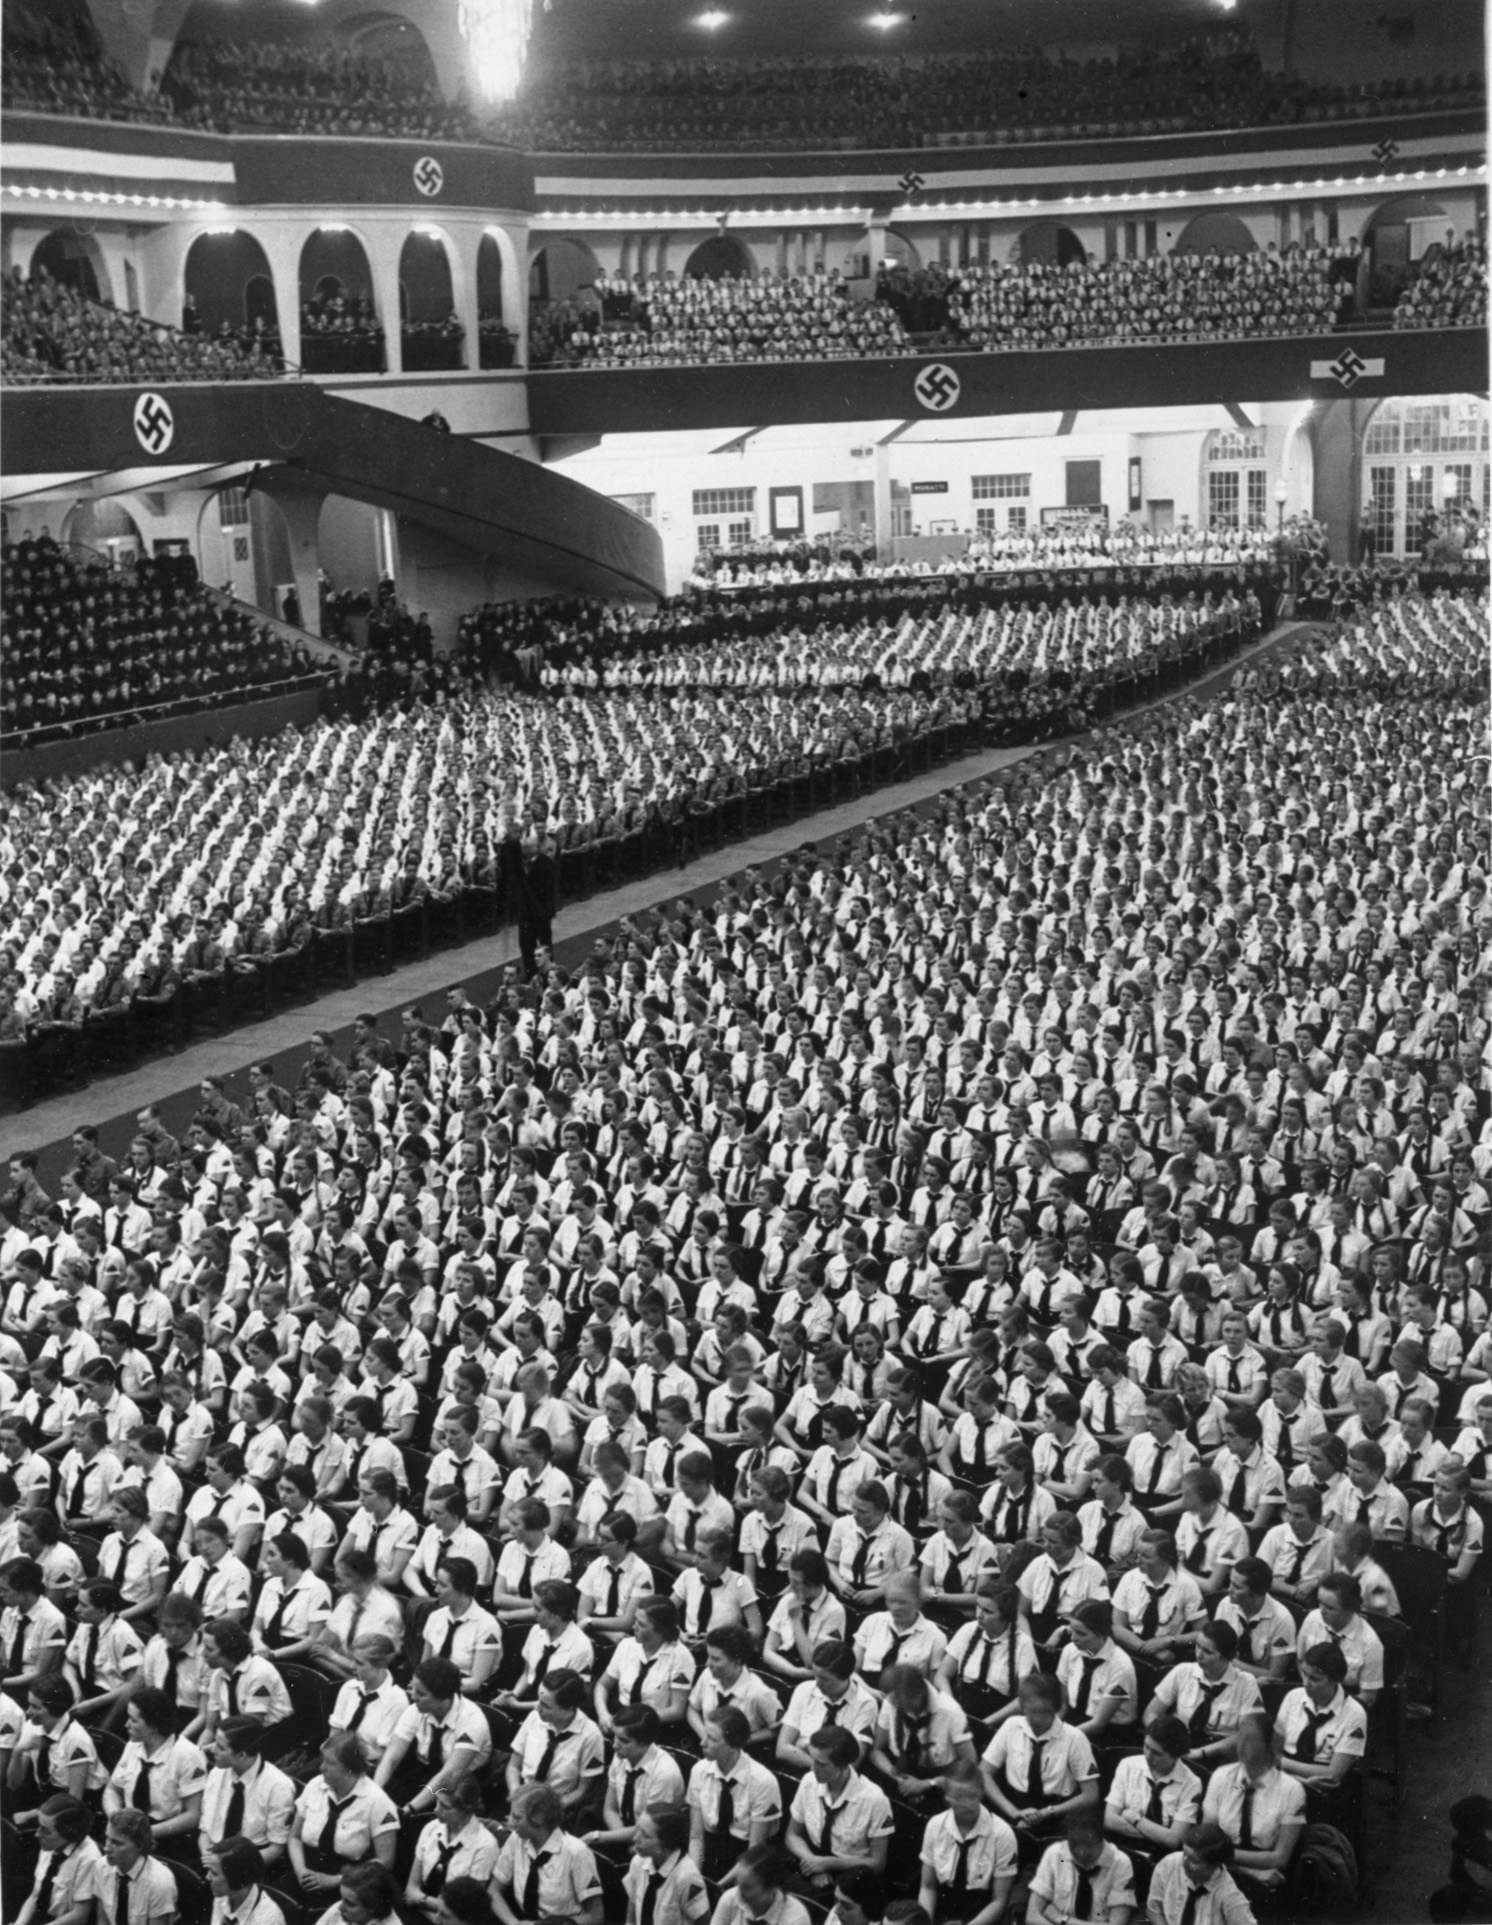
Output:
x=88 y=646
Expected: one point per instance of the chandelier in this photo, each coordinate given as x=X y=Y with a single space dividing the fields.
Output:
x=496 y=36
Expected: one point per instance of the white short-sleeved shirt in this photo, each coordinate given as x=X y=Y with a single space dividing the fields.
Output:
x=178 y=1771
x=1342 y=1733
x=475 y=1855
x=942 y=1730
x=568 y=1878
x=269 y=1804
x=857 y=1711
x=1056 y=1880
x=462 y=1727
x=576 y=1755
x=1184 y=1688
x=750 y=1693
x=1067 y=1759
x=369 y=1815
x=640 y=1679
x=861 y=1813
x=1130 y=1793
x=71 y=1745
x=1359 y=1643
x=1111 y=1677
x=1279 y=1800
x=755 y=1794
x=878 y=1643
x=381 y=1709
x=258 y=1688
x=992 y=1850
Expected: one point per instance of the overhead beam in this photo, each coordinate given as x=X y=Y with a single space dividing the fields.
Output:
x=737 y=443
x=896 y=433
x=1068 y=421
x=1240 y=417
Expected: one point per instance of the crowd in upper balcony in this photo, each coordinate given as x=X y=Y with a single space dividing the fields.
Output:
x=660 y=319
x=1209 y=81
x=340 y=333
x=51 y=332
x=1175 y=296
x=89 y=646
x=53 y=64
x=1447 y=287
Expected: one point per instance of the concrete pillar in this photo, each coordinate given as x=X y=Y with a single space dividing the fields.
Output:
x=282 y=244
x=463 y=249
x=383 y=244
x=301 y=507
x=882 y=484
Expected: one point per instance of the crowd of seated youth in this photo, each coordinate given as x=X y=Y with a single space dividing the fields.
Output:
x=660 y=319
x=121 y=884
x=1093 y=547
x=88 y=646
x=1173 y=296
x=1447 y=288
x=1087 y=645
x=912 y=1381
x=50 y=332
x=889 y=101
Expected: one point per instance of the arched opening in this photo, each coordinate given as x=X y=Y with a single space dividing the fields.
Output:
x=901 y=251
x=430 y=333
x=497 y=344
x=1399 y=233
x=69 y=258
x=1215 y=234
x=1049 y=244
x=564 y=270
x=1426 y=476
x=105 y=526
x=227 y=289
x=724 y=257
x=339 y=328
x=225 y=545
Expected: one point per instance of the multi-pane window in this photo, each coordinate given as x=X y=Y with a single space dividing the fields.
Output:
x=1001 y=487
x=1384 y=498
x=707 y=535
x=1222 y=498
x=1460 y=471
x=1258 y=482
x=1015 y=520
x=738 y=532
x=724 y=501
x=1456 y=424
x=1419 y=498
x=644 y=505
x=1231 y=444
x=985 y=521
x=233 y=508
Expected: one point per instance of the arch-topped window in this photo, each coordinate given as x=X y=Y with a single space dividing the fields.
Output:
x=1237 y=478
x=1421 y=455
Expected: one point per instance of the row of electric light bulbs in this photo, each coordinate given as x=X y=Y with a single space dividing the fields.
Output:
x=714 y=18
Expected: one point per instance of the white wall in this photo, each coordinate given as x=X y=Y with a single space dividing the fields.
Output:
x=671 y=467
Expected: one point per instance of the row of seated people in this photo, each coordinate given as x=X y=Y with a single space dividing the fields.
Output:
x=1216 y=296
x=91 y=646
x=341 y=334
x=563 y=639
x=665 y=318
x=54 y=332
x=1362 y=1050
x=807 y=102
x=281 y=87
x=1448 y=287
x=1095 y=548
x=1090 y=643
x=240 y=852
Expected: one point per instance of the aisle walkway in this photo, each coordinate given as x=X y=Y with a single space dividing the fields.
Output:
x=170 y=1082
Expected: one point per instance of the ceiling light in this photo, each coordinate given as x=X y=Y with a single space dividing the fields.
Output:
x=886 y=21
x=712 y=19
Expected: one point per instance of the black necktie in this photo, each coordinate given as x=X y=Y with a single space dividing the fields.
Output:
x=1196 y=1557
x=78 y=1496
x=1082 y=1900
x=1246 y=1817
x=826 y=1836
x=233 y=1819
x=1305 y=1744
x=327 y=1841
x=171 y=1681
x=1033 y=1789
x=1194 y=1896
x=725 y=1818
x=448 y=1642
x=645 y=1911
x=89 y=1666
x=1084 y=1691
x=530 y=1905
x=1150 y=1617
x=140 y=1796
x=1201 y=1718
x=1155 y=1807
x=42 y=1910
x=629 y=1793
x=960 y=1879
x=546 y=1762
x=121 y=1898
x=435 y=1878
x=526 y=1581
x=364 y=1699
